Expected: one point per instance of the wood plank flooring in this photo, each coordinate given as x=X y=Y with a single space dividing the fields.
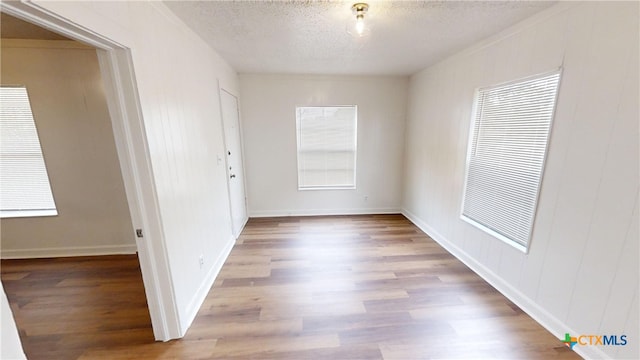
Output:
x=339 y=287
x=65 y=306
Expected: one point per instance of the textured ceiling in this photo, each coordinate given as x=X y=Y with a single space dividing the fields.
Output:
x=312 y=37
x=14 y=28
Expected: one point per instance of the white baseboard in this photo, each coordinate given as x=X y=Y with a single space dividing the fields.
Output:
x=203 y=290
x=557 y=327
x=68 y=251
x=323 y=212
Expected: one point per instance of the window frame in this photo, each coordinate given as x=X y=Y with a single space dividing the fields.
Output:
x=31 y=212
x=355 y=149
x=470 y=149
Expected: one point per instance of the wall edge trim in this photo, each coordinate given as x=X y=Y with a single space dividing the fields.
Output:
x=68 y=251
x=44 y=44
x=323 y=212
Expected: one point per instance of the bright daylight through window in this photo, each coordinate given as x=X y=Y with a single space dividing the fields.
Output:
x=24 y=184
x=508 y=144
x=326 y=147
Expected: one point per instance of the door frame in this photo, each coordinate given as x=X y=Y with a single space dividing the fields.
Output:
x=119 y=80
x=226 y=161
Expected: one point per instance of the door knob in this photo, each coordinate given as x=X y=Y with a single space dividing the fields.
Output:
x=232 y=176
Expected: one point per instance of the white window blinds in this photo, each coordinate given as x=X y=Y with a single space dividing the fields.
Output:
x=326 y=147
x=507 y=149
x=24 y=184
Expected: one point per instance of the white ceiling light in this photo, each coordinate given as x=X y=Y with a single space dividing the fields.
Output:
x=360 y=9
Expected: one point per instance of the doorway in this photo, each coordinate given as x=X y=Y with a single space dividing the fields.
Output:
x=132 y=152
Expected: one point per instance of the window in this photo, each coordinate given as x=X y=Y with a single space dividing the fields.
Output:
x=24 y=183
x=326 y=147
x=508 y=143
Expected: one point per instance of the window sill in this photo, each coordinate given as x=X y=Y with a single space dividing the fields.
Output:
x=496 y=235
x=327 y=188
x=4 y=214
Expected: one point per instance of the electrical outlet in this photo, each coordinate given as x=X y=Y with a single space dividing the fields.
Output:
x=366 y=198
x=201 y=260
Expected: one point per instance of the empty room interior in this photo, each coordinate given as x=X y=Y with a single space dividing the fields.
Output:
x=319 y=179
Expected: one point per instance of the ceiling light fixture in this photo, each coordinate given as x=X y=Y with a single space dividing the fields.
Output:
x=359 y=9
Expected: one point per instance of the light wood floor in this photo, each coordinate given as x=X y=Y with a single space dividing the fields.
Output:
x=351 y=287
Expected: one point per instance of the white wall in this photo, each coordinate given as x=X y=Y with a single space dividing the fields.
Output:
x=176 y=75
x=70 y=110
x=10 y=344
x=268 y=108
x=581 y=273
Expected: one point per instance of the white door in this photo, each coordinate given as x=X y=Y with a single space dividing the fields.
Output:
x=235 y=173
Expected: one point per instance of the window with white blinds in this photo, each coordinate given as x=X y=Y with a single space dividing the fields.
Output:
x=24 y=183
x=326 y=147
x=508 y=144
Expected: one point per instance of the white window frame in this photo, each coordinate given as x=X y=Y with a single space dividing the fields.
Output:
x=479 y=207
x=352 y=186
x=22 y=126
